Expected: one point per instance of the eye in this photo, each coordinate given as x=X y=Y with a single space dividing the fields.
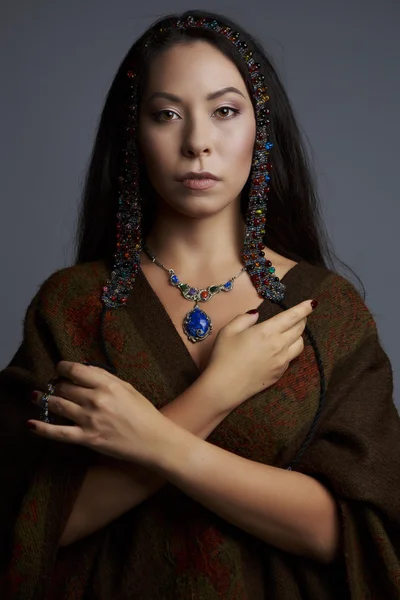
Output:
x=169 y=113
x=227 y=108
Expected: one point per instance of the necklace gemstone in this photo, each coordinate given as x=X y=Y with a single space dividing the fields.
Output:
x=197 y=325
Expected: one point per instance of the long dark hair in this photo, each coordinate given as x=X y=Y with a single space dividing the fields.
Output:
x=294 y=227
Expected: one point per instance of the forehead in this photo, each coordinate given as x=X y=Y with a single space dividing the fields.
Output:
x=191 y=66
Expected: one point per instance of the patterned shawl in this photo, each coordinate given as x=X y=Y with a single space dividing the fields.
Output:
x=171 y=547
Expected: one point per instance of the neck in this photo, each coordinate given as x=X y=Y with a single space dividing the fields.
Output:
x=198 y=248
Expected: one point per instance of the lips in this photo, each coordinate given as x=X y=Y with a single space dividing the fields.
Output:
x=199 y=184
x=198 y=175
x=200 y=180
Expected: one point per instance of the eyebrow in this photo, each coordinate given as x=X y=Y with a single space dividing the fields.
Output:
x=211 y=96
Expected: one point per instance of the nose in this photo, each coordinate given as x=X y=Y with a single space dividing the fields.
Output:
x=197 y=140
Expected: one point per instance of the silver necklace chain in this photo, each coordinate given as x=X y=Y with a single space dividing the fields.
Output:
x=196 y=324
x=171 y=271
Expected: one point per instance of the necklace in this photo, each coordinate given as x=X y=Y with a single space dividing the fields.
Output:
x=197 y=323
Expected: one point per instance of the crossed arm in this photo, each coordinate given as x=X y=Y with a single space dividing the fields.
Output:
x=289 y=510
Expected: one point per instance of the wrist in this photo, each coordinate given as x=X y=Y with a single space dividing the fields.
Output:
x=197 y=409
x=178 y=445
x=210 y=391
x=218 y=392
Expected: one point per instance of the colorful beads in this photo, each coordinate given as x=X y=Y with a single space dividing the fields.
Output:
x=129 y=217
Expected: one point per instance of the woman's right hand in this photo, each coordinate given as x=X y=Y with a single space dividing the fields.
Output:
x=248 y=357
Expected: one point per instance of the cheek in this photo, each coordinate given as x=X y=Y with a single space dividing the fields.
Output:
x=157 y=157
x=241 y=148
x=153 y=151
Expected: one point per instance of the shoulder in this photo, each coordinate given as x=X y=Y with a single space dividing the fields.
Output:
x=342 y=317
x=71 y=287
x=339 y=297
x=339 y=301
x=67 y=309
x=85 y=277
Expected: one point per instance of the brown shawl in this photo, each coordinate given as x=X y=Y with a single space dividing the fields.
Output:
x=171 y=547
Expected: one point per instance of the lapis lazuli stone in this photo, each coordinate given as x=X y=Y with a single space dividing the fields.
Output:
x=197 y=324
x=174 y=279
x=228 y=285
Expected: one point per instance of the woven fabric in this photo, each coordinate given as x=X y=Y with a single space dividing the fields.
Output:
x=171 y=547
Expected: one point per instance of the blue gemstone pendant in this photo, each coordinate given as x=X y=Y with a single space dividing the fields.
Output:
x=197 y=325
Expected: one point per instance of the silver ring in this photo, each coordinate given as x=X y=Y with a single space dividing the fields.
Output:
x=44 y=409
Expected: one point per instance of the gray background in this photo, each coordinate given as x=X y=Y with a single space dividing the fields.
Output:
x=339 y=62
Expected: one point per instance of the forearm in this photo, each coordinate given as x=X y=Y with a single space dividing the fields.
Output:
x=113 y=487
x=286 y=509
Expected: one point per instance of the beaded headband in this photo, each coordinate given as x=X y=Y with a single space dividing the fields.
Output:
x=129 y=215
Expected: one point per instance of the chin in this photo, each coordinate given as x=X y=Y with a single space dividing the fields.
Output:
x=197 y=212
x=195 y=204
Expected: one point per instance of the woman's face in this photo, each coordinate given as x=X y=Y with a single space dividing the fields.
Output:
x=187 y=122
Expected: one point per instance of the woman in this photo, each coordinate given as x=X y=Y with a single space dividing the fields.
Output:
x=200 y=452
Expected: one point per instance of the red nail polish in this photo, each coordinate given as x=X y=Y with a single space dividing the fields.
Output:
x=32 y=426
x=314 y=304
x=253 y=311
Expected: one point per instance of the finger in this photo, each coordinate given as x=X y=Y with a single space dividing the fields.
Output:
x=73 y=392
x=71 y=434
x=86 y=375
x=111 y=375
x=101 y=369
x=80 y=374
x=288 y=318
x=60 y=406
x=293 y=334
x=296 y=349
x=241 y=322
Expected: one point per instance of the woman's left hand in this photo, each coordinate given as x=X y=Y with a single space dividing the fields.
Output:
x=110 y=416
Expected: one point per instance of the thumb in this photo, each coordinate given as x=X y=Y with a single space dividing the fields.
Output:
x=242 y=321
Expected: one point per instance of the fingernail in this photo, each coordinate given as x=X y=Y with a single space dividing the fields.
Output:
x=34 y=395
x=32 y=426
x=253 y=311
x=314 y=304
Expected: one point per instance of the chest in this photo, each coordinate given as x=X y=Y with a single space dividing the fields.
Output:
x=199 y=351
x=221 y=309
x=260 y=430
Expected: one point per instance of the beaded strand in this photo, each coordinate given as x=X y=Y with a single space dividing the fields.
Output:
x=129 y=216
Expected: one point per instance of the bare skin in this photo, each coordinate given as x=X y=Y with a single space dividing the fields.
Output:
x=199 y=234
x=222 y=308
